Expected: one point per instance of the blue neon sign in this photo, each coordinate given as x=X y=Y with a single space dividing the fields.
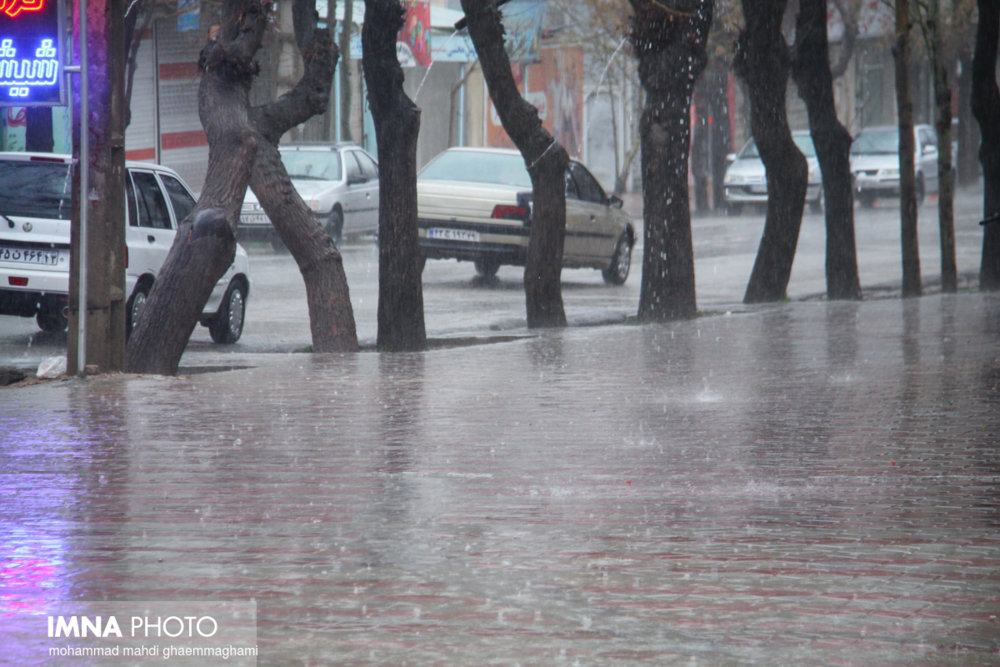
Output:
x=31 y=53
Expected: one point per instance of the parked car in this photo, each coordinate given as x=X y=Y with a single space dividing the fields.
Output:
x=474 y=204
x=745 y=181
x=875 y=162
x=338 y=182
x=35 y=210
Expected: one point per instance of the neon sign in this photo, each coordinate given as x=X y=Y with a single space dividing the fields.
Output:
x=31 y=53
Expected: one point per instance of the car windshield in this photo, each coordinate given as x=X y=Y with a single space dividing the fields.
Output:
x=803 y=141
x=36 y=189
x=312 y=165
x=500 y=168
x=876 y=142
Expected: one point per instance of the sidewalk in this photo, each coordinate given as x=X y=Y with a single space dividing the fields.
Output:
x=809 y=483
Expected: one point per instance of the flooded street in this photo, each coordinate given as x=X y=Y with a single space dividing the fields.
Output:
x=810 y=483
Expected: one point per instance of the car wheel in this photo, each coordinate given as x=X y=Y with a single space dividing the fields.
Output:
x=487 y=267
x=621 y=262
x=50 y=323
x=866 y=199
x=227 y=325
x=335 y=226
x=136 y=304
x=734 y=210
x=920 y=191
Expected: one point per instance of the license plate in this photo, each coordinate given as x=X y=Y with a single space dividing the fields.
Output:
x=254 y=219
x=446 y=234
x=45 y=257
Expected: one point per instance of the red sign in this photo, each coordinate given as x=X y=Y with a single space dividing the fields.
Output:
x=416 y=30
x=14 y=7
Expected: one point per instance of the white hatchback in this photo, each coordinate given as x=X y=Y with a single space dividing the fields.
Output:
x=35 y=210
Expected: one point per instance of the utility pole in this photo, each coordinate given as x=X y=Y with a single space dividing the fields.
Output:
x=98 y=255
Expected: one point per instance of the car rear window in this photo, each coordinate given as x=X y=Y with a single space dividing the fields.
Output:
x=312 y=165
x=499 y=168
x=36 y=189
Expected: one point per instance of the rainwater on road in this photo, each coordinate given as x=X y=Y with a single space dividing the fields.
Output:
x=806 y=484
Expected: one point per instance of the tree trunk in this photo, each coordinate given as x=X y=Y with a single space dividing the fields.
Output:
x=833 y=146
x=907 y=168
x=242 y=145
x=670 y=45
x=762 y=61
x=986 y=108
x=941 y=62
x=547 y=162
x=331 y=316
x=206 y=240
x=966 y=162
x=397 y=122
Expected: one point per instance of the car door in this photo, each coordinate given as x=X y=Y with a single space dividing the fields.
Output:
x=590 y=228
x=150 y=231
x=364 y=188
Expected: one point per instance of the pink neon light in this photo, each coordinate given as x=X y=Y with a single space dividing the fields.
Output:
x=14 y=7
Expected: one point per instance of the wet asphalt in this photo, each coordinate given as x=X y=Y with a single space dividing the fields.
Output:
x=807 y=483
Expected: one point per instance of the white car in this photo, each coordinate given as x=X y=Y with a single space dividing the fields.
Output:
x=745 y=181
x=474 y=204
x=875 y=162
x=35 y=210
x=338 y=182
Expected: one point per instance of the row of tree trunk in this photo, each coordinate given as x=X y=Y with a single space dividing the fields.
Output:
x=670 y=44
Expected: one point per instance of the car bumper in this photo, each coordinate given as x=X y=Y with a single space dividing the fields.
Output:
x=440 y=239
x=753 y=194
x=886 y=186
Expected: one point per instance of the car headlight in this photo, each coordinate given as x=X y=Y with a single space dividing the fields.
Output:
x=732 y=180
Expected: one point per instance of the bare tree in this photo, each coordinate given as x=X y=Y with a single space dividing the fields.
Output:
x=669 y=41
x=397 y=122
x=814 y=80
x=762 y=60
x=986 y=108
x=546 y=160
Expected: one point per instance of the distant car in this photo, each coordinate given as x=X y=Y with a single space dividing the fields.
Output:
x=338 y=182
x=745 y=181
x=875 y=163
x=474 y=204
x=35 y=210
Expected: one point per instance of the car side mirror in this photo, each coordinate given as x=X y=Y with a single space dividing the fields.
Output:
x=930 y=149
x=730 y=158
x=356 y=179
x=615 y=201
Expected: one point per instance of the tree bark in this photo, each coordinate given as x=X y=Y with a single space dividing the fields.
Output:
x=331 y=316
x=671 y=47
x=941 y=62
x=814 y=80
x=206 y=240
x=986 y=109
x=907 y=167
x=397 y=122
x=762 y=61
x=547 y=162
